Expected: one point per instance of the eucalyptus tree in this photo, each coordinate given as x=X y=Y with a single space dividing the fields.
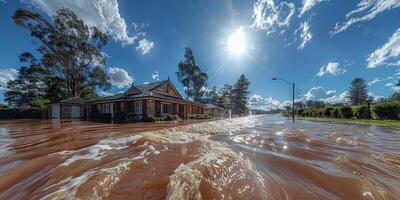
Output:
x=192 y=78
x=71 y=52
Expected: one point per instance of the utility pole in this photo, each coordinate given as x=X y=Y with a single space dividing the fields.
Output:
x=293 y=87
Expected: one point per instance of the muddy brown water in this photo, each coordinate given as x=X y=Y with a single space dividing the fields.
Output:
x=255 y=157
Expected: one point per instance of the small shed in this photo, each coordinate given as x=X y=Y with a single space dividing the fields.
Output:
x=71 y=108
x=214 y=110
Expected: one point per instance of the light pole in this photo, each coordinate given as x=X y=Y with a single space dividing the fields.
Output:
x=293 y=86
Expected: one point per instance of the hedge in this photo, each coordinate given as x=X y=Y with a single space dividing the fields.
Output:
x=387 y=110
x=363 y=112
x=199 y=116
x=346 y=112
x=20 y=113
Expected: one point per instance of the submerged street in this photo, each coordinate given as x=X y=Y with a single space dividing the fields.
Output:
x=254 y=157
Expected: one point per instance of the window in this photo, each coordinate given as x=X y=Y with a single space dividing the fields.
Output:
x=105 y=108
x=166 y=108
x=138 y=107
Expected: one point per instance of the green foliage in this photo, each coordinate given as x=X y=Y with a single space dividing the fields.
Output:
x=300 y=112
x=363 y=112
x=358 y=92
x=71 y=59
x=192 y=78
x=387 y=110
x=4 y=106
x=346 y=112
x=40 y=103
x=100 y=117
x=199 y=116
x=120 y=116
x=239 y=95
x=335 y=113
x=212 y=96
x=28 y=84
x=149 y=118
x=327 y=112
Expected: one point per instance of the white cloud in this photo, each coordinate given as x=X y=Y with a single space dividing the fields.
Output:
x=318 y=93
x=366 y=10
x=258 y=102
x=307 y=5
x=105 y=94
x=103 y=14
x=119 y=77
x=155 y=75
x=269 y=16
x=7 y=74
x=374 y=81
x=305 y=34
x=3 y=1
x=327 y=96
x=331 y=68
x=374 y=97
x=388 y=54
x=144 y=46
x=393 y=86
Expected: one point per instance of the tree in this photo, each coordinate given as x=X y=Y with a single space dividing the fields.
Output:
x=70 y=51
x=239 y=95
x=212 y=96
x=396 y=95
x=225 y=95
x=28 y=86
x=192 y=78
x=358 y=92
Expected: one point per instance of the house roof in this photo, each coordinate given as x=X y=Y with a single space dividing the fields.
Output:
x=211 y=106
x=73 y=100
x=145 y=90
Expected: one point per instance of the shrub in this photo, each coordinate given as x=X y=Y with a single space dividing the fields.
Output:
x=40 y=103
x=4 y=106
x=335 y=113
x=120 y=116
x=327 y=112
x=346 y=112
x=363 y=112
x=387 y=110
x=300 y=112
x=149 y=119
x=19 y=113
x=199 y=116
x=100 y=117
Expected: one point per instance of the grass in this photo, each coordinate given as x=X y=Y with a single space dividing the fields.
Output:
x=389 y=123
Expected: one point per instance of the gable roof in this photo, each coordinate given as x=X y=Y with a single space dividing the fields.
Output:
x=73 y=100
x=145 y=90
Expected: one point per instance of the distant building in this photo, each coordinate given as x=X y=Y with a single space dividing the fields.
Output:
x=214 y=110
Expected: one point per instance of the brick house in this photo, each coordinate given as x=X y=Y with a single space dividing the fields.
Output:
x=153 y=99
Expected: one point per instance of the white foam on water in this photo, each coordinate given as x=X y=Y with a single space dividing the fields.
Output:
x=5 y=142
x=97 y=151
x=217 y=165
x=110 y=176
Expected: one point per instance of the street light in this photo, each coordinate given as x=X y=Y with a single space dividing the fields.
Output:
x=293 y=86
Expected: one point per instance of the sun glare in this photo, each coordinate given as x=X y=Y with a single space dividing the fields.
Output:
x=237 y=44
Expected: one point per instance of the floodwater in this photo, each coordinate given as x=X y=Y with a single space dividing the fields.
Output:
x=255 y=157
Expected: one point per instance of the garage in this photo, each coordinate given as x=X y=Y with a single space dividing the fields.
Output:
x=55 y=111
x=72 y=108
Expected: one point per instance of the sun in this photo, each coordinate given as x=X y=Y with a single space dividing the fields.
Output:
x=237 y=44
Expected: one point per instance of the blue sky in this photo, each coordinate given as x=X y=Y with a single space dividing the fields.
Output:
x=320 y=44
